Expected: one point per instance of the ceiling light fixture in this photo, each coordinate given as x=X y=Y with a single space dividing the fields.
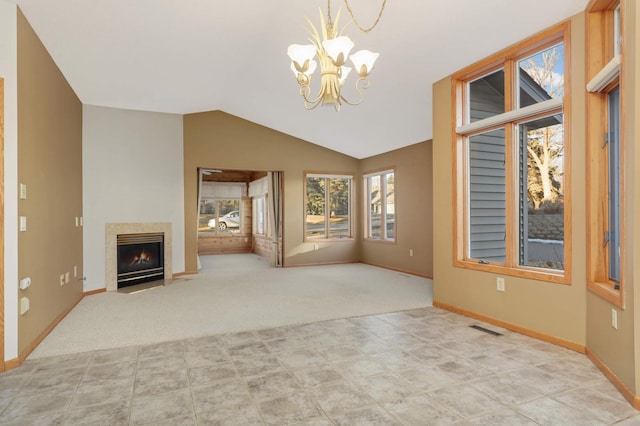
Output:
x=332 y=50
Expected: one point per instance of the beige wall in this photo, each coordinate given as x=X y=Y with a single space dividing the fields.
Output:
x=553 y=309
x=618 y=349
x=219 y=140
x=414 y=219
x=50 y=164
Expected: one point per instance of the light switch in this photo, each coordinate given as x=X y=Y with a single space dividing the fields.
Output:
x=77 y=221
x=23 y=191
x=23 y=223
x=25 y=283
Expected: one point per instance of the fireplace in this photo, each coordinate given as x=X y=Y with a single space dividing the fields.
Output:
x=140 y=258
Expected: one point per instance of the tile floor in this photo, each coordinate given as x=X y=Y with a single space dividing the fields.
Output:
x=416 y=367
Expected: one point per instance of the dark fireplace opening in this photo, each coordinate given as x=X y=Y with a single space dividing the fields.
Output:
x=140 y=258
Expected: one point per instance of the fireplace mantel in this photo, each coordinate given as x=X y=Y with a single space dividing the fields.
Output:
x=112 y=230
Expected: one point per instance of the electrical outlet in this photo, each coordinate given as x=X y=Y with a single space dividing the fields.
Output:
x=24 y=305
x=500 y=284
x=614 y=319
x=61 y=279
x=23 y=191
x=410 y=252
x=23 y=223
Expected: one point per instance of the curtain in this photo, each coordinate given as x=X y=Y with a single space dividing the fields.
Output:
x=199 y=197
x=275 y=216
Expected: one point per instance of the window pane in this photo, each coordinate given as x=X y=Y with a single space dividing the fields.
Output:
x=339 y=205
x=207 y=212
x=375 y=207
x=259 y=215
x=315 y=224
x=486 y=96
x=541 y=217
x=614 y=184
x=228 y=218
x=541 y=76
x=617 y=35
x=487 y=207
x=390 y=207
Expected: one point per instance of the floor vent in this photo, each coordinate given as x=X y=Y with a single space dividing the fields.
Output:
x=486 y=330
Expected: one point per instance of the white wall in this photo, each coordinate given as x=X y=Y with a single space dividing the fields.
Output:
x=132 y=165
x=8 y=71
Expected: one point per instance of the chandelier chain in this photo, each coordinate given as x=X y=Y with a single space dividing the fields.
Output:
x=365 y=30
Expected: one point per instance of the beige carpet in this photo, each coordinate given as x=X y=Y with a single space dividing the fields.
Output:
x=233 y=293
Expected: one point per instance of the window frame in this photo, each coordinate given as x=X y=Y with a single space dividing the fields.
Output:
x=463 y=129
x=255 y=210
x=604 y=48
x=366 y=179
x=327 y=217
x=216 y=230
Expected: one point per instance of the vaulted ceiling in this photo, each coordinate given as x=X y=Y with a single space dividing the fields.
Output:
x=185 y=56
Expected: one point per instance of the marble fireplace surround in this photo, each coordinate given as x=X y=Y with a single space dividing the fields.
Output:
x=112 y=230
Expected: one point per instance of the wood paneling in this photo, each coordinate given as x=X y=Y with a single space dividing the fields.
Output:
x=262 y=245
x=2 y=223
x=223 y=244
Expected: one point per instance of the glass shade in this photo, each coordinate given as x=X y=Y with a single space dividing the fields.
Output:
x=345 y=74
x=363 y=61
x=338 y=49
x=301 y=53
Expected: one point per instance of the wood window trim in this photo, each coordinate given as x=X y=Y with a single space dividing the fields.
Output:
x=365 y=176
x=330 y=175
x=599 y=52
x=2 y=364
x=505 y=59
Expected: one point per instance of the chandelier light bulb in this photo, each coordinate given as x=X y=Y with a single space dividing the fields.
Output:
x=363 y=61
x=301 y=56
x=338 y=49
x=344 y=74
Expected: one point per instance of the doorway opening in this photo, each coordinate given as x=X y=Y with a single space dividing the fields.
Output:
x=240 y=211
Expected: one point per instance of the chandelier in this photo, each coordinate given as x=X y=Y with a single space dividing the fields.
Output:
x=332 y=50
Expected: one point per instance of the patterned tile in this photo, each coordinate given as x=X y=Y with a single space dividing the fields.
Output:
x=424 y=366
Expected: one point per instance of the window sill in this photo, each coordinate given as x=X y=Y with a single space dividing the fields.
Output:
x=559 y=277
x=607 y=292
x=328 y=240
x=379 y=241
x=213 y=235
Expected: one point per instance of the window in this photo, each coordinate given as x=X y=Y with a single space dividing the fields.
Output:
x=511 y=149
x=220 y=211
x=225 y=216
x=328 y=207
x=612 y=238
x=605 y=145
x=259 y=216
x=380 y=223
x=258 y=190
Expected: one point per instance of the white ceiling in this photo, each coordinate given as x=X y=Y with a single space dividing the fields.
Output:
x=185 y=56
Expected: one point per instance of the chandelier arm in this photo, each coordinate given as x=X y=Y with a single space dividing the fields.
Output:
x=309 y=104
x=365 y=30
x=361 y=84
